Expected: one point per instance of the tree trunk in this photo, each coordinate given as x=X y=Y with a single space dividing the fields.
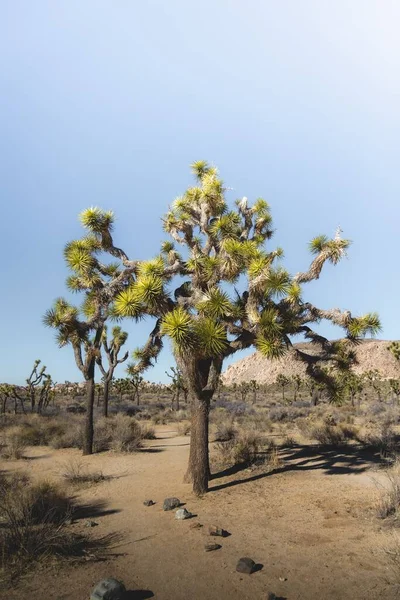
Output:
x=90 y=392
x=106 y=393
x=198 y=471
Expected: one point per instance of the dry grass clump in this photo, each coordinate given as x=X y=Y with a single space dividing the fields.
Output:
x=184 y=428
x=225 y=431
x=243 y=449
x=382 y=439
x=388 y=505
x=71 y=438
x=76 y=473
x=33 y=525
x=12 y=443
x=119 y=433
x=328 y=432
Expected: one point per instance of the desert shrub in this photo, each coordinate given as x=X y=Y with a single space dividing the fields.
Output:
x=388 y=504
x=71 y=438
x=332 y=434
x=280 y=414
x=258 y=422
x=148 y=431
x=119 y=433
x=40 y=431
x=376 y=408
x=184 y=428
x=33 y=525
x=383 y=439
x=12 y=443
x=289 y=441
x=246 y=447
x=225 y=431
x=234 y=408
x=242 y=449
x=76 y=409
x=76 y=473
x=162 y=417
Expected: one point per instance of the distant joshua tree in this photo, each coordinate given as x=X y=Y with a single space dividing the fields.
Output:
x=177 y=386
x=34 y=381
x=283 y=382
x=111 y=349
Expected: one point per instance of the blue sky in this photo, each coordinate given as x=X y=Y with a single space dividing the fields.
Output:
x=108 y=102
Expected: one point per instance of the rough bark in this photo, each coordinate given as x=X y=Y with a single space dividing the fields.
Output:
x=90 y=394
x=198 y=471
x=201 y=377
x=106 y=394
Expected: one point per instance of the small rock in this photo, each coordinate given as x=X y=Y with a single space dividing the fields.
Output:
x=171 y=503
x=195 y=525
x=91 y=524
x=217 y=531
x=282 y=578
x=182 y=514
x=245 y=565
x=211 y=547
x=148 y=503
x=108 y=589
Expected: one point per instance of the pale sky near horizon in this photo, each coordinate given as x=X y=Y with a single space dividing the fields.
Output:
x=108 y=102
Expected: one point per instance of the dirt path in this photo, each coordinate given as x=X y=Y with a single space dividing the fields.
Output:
x=310 y=525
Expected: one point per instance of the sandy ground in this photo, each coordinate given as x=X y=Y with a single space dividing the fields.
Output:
x=310 y=525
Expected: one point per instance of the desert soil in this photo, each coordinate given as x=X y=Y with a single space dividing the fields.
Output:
x=310 y=524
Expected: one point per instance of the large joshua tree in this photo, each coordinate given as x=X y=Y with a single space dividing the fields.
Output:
x=111 y=349
x=82 y=326
x=204 y=315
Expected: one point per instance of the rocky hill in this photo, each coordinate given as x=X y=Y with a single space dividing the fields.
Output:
x=371 y=354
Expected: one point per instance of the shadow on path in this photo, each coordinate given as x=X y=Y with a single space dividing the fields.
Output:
x=331 y=460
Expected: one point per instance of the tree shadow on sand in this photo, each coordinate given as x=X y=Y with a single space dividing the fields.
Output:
x=138 y=595
x=92 y=510
x=331 y=460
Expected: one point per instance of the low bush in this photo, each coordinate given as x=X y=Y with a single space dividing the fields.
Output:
x=76 y=473
x=184 y=428
x=12 y=443
x=119 y=433
x=243 y=449
x=34 y=521
x=389 y=502
x=225 y=431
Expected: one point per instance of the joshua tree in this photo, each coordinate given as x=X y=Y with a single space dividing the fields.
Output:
x=244 y=388
x=254 y=387
x=374 y=379
x=283 y=382
x=136 y=382
x=177 y=385
x=205 y=322
x=111 y=350
x=34 y=381
x=46 y=394
x=353 y=385
x=5 y=394
x=82 y=327
x=394 y=348
x=121 y=387
x=315 y=388
x=395 y=387
x=297 y=381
